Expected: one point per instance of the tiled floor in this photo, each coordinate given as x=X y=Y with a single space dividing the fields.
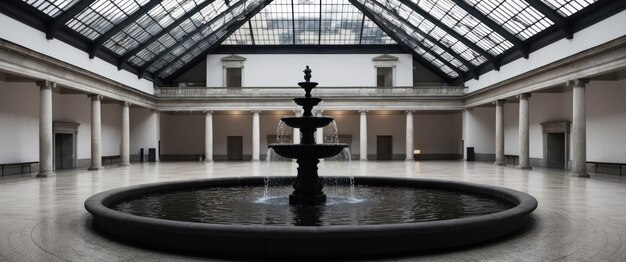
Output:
x=577 y=220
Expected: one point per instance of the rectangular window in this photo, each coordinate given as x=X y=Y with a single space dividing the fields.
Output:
x=384 y=77
x=233 y=77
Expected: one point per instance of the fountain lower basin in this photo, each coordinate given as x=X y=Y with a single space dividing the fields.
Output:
x=271 y=241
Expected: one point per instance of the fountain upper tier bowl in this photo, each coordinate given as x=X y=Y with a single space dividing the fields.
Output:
x=308 y=151
x=307 y=122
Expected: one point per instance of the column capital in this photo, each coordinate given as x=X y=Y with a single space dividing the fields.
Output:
x=208 y=112
x=578 y=82
x=523 y=96
x=363 y=111
x=95 y=97
x=125 y=104
x=255 y=111
x=499 y=102
x=409 y=111
x=46 y=84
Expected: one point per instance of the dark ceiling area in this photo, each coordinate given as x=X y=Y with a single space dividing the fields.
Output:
x=455 y=39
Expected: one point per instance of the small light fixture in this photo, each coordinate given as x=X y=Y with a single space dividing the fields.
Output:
x=416 y=152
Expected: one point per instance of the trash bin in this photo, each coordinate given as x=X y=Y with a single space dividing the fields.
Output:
x=470 y=154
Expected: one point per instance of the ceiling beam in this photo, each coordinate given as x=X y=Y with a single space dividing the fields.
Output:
x=447 y=49
x=198 y=30
x=362 y=26
x=519 y=44
x=231 y=25
x=492 y=60
x=60 y=20
x=119 y=27
x=394 y=36
x=554 y=16
x=251 y=33
x=124 y=58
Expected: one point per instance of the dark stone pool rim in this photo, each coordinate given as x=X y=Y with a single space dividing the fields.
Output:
x=266 y=241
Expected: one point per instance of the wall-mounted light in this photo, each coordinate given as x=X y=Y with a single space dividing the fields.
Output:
x=416 y=154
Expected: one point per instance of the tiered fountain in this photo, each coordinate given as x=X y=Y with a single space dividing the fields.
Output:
x=229 y=216
x=308 y=185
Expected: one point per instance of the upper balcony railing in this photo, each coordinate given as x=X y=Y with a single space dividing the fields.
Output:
x=234 y=92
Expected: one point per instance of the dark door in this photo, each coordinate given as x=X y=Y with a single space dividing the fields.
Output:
x=63 y=151
x=556 y=150
x=234 y=148
x=384 y=148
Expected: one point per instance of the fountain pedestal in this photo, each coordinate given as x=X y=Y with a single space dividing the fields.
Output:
x=308 y=185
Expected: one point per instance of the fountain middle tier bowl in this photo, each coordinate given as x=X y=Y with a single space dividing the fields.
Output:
x=307 y=122
x=308 y=151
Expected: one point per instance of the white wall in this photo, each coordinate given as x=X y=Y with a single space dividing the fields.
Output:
x=19 y=122
x=480 y=129
x=144 y=130
x=285 y=70
x=182 y=133
x=26 y=36
x=597 y=34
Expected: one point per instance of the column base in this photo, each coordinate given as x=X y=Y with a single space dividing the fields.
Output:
x=93 y=168
x=580 y=174
x=125 y=164
x=45 y=174
x=524 y=167
x=500 y=163
x=208 y=160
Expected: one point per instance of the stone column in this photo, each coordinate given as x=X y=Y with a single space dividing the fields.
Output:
x=319 y=133
x=157 y=117
x=96 y=135
x=45 y=128
x=579 y=128
x=363 y=136
x=409 y=136
x=208 y=136
x=256 y=136
x=296 y=131
x=524 y=157
x=125 y=150
x=500 y=160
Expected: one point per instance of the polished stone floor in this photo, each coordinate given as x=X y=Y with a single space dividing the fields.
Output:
x=577 y=219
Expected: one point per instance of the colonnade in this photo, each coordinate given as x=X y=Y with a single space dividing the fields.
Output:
x=46 y=132
x=579 y=138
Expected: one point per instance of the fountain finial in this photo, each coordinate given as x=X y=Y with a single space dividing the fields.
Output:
x=307 y=74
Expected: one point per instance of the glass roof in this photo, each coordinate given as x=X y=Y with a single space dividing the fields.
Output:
x=309 y=22
x=52 y=8
x=166 y=35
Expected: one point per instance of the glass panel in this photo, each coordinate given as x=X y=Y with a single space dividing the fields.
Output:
x=569 y=7
x=341 y=24
x=162 y=16
x=102 y=15
x=517 y=17
x=52 y=8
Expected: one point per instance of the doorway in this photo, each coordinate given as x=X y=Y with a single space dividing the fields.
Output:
x=234 y=148
x=63 y=151
x=555 y=156
x=384 y=147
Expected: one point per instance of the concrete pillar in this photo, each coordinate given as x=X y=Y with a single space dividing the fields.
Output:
x=579 y=128
x=319 y=133
x=45 y=128
x=208 y=136
x=500 y=160
x=96 y=133
x=524 y=157
x=409 y=136
x=256 y=136
x=363 y=136
x=157 y=127
x=296 y=131
x=125 y=150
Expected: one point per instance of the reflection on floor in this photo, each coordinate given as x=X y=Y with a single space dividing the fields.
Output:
x=577 y=219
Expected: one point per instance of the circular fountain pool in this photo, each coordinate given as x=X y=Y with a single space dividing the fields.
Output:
x=378 y=216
